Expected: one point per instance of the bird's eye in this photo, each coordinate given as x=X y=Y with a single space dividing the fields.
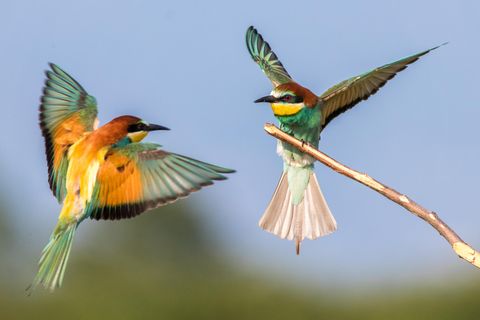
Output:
x=287 y=98
x=140 y=126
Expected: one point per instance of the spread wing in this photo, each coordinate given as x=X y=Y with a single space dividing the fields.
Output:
x=348 y=93
x=266 y=58
x=139 y=176
x=66 y=113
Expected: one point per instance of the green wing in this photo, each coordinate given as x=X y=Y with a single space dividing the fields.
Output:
x=266 y=58
x=348 y=93
x=139 y=176
x=66 y=113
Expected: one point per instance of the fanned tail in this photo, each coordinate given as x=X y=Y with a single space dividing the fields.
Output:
x=52 y=264
x=311 y=218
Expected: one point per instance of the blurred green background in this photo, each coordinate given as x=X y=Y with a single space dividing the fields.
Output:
x=166 y=264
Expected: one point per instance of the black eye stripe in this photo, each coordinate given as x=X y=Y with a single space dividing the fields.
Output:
x=291 y=99
x=132 y=128
x=137 y=127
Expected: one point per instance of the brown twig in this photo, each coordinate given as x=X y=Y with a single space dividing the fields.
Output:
x=462 y=249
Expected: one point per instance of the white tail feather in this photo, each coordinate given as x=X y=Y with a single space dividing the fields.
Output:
x=310 y=219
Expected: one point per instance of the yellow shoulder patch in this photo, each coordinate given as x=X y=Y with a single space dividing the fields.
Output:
x=120 y=181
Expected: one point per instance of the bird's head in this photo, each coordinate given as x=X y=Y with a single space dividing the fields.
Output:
x=289 y=99
x=138 y=129
x=131 y=128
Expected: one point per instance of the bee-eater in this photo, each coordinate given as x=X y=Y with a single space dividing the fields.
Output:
x=298 y=209
x=106 y=172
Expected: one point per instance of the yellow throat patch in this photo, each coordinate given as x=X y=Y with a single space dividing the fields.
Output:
x=137 y=136
x=286 y=109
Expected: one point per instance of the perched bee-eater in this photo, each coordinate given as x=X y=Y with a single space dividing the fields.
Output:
x=298 y=209
x=106 y=172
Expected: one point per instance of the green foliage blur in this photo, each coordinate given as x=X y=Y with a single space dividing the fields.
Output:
x=166 y=265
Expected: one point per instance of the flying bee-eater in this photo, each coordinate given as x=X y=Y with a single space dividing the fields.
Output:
x=105 y=172
x=298 y=209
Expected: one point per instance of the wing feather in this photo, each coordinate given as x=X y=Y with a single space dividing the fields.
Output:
x=139 y=176
x=348 y=93
x=263 y=55
x=67 y=112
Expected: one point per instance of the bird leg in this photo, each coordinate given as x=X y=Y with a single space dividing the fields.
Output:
x=304 y=143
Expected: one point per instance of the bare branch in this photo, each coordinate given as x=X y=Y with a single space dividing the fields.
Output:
x=462 y=249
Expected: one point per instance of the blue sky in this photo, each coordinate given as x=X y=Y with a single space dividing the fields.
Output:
x=184 y=65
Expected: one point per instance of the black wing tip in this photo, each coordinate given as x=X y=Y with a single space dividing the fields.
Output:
x=251 y=33
x=251 y=29
x=255 y=39
x=431 y=49
x=54 y=68
x=48 y=75
x=221 y=173
x=226 y=171
x=440 y=45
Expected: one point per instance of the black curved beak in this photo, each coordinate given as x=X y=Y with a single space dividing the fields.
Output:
x=266 y=99
x=154 y=127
